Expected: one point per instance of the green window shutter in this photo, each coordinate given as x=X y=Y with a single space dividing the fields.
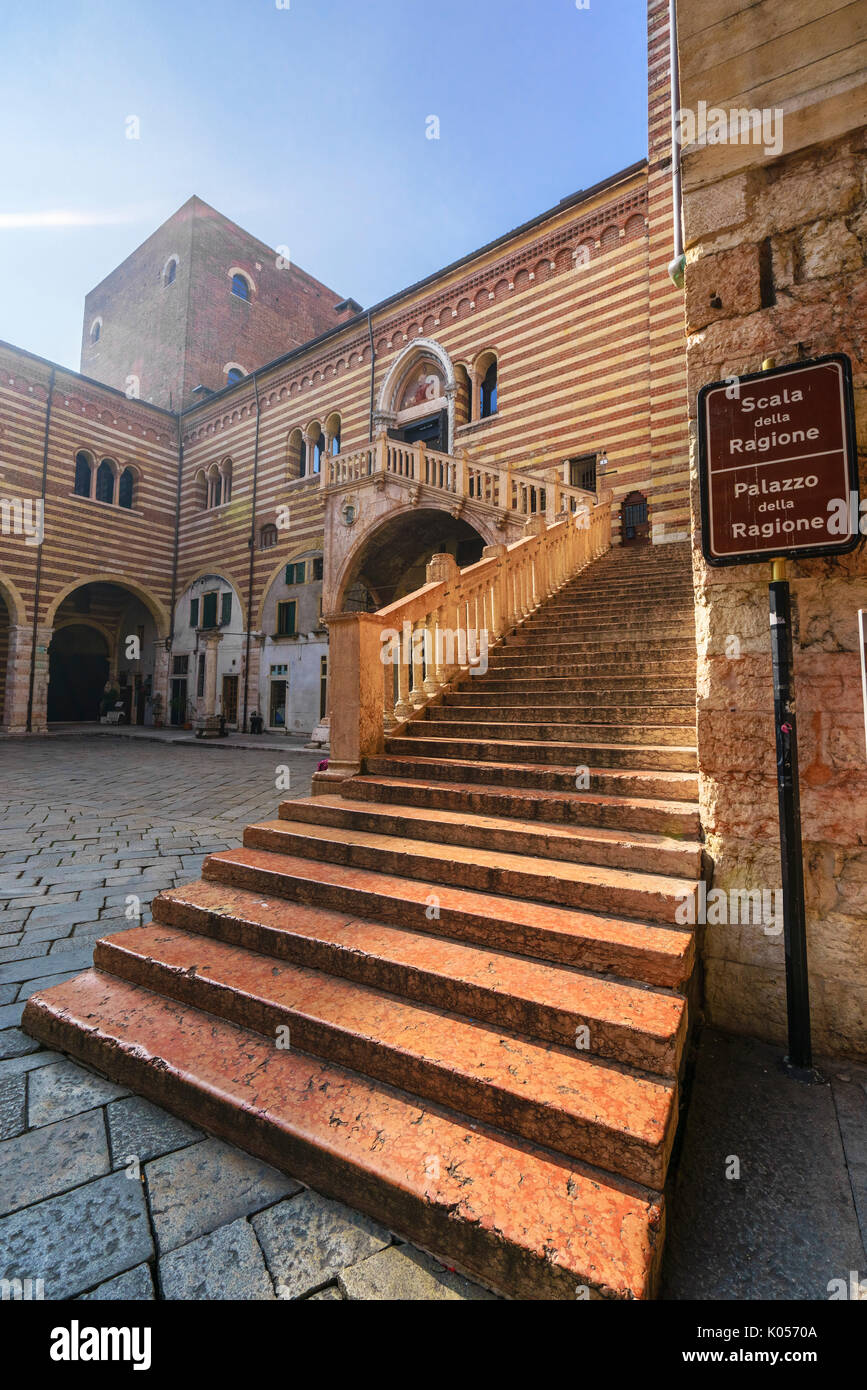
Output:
x=295 y=572
x=209 y=610
x=194 y=612
x=226 y=613
x=286 y=619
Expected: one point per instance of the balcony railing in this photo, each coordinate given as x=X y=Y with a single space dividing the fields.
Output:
x=518 y=490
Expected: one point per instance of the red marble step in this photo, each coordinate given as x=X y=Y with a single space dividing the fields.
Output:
x=244 y=893
x=529 y=1223
x=650 y=897
x=634 y=693
x=604 y=781
x=668 y=735
x=566 y=717
x=647 y=757
x=603 y=1114
x=631 y=1023
x=576 y=808
x=645 y=851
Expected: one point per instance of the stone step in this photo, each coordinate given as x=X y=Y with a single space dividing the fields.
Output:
x=370 y=1145
x=664 y=673
x=244 y=894
x=629 y=1021
x=677 y=787
x=642 y=851
x=595 y=888
x=647 y=757
x=487 y=718
x=584 y=650
x=632 y=693
x=619 y=813
x=623 y=731
x=582 y=1107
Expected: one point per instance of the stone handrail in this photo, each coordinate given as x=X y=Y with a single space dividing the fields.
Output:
x=386 y=667
x=520 y=490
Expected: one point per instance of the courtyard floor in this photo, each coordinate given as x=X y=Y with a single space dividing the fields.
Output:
x=103 y=1195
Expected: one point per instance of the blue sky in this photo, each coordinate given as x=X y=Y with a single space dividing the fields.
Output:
x=306 y=125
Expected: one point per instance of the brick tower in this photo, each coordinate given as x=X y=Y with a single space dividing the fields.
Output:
x=198 y=302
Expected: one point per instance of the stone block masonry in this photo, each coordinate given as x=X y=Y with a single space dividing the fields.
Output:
x=777 y=268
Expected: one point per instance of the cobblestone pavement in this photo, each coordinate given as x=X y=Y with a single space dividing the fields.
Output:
x=103 y=1195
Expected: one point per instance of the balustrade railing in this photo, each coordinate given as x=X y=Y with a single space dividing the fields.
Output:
x=516 y=490
x=388 y=666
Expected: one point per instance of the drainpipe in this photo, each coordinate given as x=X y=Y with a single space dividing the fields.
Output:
x=372 y=371
x=38 y=581
x=678 y=263
x=252 y=544
x=178 y=481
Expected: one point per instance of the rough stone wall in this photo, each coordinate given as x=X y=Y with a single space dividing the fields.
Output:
x=777 y=267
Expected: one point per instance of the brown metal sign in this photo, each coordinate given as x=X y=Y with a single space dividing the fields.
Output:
x=777 y=463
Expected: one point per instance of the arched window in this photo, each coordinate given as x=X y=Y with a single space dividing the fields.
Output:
x=215 y=486
x=488 y=392
x=226 y=471
x=319 y=452
x=268 y=537
x=240 y=286
x=296 y=455
x=316 y=450
x=105 y=482
x=234 y=374
x=83 y=474
x=201 y=490
x=170 y=272
x=485 y=374
x=125 y=488
x=95 y=330
x=332 y=434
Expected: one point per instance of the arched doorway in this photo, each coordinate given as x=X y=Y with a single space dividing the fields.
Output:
x=634 y=521
x=391 y=561
x=78 y=664
x=98 y=622
x=417 y=397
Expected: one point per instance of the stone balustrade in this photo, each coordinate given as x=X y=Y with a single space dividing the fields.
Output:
x=387 y=667
x=525 y=491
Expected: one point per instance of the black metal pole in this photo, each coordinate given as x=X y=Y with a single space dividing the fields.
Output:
x=800 y=1057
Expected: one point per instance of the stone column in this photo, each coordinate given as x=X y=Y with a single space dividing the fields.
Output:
x=355 y=706
x=39 y=714
x=17 y=680
x=211 y=641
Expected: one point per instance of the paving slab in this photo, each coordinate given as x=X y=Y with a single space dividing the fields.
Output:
x=140 y=1130
x=787 y=1226
x=226 y=1264
x=64 y=1089
x=13 y=1106
x=43 y=1162
x=79 y=1239
x=135 y=1285
x=405 y=1274
x=16 y=1043
x=309 y=1239
x=197 y=1189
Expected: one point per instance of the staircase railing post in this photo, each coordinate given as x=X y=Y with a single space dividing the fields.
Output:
x=355 y=674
